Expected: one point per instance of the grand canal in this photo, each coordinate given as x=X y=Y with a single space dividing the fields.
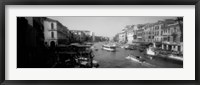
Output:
x=119 y=59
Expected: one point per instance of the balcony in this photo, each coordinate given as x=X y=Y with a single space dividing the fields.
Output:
x=52 y=30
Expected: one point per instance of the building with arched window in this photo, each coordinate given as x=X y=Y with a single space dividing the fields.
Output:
x=50 y=32
x=55 y=33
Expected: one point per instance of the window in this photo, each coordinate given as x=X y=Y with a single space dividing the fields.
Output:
x=52 y=34
x=135 y=37
x=52 y=26
x=168 y=30
x=168 y=39
x=156 y=27
x=175 y=29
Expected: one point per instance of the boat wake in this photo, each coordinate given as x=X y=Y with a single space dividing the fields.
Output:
x=139 y=59
x=132 y=58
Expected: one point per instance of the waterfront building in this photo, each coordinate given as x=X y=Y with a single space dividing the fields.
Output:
x=157 y=30
x=87 y=33
x=172 y=37
x=167 y=33
x=122 y=37
x=140 y=33
x=135 y=28
x=130 y=37
x=129 y=33
x=78 y=35
x=172 y=33
x=83 y=35
x=146 y=33
x=55 y=33
x=50 y=32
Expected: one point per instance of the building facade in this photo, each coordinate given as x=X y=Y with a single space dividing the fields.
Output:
x=168 y=32
x=172 y=38
x=55 y=33
x=50 y=32
x=140 y=33
x=122 y=37
x=129 y=33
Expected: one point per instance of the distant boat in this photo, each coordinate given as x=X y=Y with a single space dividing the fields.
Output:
x=124 y=46
x=109 y=47
x=130 y=47
x=89 y=43
x=96 y=49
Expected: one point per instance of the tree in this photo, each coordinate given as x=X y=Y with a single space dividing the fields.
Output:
x=116 y=38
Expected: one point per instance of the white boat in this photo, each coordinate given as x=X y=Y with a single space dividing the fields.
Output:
x=109 y=47
x=150 y=52
x=135 y=58
x=132 y=58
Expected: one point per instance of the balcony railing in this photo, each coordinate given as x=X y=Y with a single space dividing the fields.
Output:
x=52 y=30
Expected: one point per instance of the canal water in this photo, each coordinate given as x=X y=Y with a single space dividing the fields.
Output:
x=118 y=59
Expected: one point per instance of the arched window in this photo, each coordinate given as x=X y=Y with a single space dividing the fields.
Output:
x=52 y=44
x=52 y=26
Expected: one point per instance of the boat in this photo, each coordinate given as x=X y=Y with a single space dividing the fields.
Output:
x=89 y=44
x=130 y=47
x=150 y=52
x=109 y=47
x=124 y=46
x=95 y=64
x=136 y=58
x=96 y=49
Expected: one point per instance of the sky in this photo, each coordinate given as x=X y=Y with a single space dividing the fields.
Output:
x=105 y=26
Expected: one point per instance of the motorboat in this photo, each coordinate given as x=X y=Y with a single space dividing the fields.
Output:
x=136 y=58
x=109 y=47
